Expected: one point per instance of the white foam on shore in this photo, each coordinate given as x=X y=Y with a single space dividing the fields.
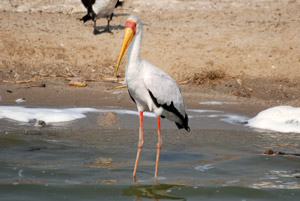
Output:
x=50 y=115
x=216 y=103
x=285 y=119
x=47 y=115
x=230 y=118
x=226 y=117
x=205 y=111
x=234 y=118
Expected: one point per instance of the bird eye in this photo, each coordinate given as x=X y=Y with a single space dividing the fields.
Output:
x=131 y=24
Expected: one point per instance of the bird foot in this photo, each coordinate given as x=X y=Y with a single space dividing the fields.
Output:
x=107 y=30
x=103 y=31
x=95 y=32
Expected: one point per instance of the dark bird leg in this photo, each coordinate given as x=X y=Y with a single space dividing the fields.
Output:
x=140 y=144
x=107 y=29
x=158 y=146
x=95 y=29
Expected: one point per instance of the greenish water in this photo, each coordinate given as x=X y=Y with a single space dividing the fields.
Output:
x=86 y=160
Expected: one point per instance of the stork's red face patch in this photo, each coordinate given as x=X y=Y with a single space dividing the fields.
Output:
x=132 y=25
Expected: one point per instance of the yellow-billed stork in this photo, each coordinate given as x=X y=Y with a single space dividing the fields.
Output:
x=149 y=87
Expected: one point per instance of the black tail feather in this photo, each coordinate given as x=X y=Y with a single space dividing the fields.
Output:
x=184 y=125
x=119 y=3
x=171 y=108
x=86 y=18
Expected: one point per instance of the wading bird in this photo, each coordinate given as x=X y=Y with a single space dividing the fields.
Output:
x=150 y=88
x=100 y=8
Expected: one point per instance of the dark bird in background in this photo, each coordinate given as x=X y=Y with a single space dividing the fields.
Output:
x=100 y=8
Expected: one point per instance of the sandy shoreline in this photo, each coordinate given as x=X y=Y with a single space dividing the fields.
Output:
x=102 y=94
x=235 y=51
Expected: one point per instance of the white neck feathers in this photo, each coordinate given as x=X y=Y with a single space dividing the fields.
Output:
x=134 y=51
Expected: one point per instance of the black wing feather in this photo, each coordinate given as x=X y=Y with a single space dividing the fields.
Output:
x=171 y=108
x=88 y=3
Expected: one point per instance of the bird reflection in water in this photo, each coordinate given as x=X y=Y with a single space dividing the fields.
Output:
x=155 y=192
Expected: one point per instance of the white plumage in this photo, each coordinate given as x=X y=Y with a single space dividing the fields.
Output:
x=100 y=9
x=104 y=8
x=146 y=79
x=149 y=87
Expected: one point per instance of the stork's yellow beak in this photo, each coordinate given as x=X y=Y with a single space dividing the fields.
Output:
x=127 y=39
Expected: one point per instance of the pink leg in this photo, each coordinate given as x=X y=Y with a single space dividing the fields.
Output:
x=140 y=144
x=158 y=146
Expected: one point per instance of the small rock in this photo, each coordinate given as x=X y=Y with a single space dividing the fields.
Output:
x=41 y=123
x=20 y=100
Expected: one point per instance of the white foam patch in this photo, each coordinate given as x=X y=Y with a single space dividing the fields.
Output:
x=203 y=168
x=20 y=173
x=234 y=118
x=216 y=103
x=280 y=179
x=285 y=119
x=47 y=115
x=205 y=111
x=226 y=117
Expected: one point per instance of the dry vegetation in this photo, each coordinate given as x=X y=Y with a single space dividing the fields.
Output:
x=205 y=76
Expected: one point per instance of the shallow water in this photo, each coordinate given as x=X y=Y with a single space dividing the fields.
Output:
x=92 y=159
